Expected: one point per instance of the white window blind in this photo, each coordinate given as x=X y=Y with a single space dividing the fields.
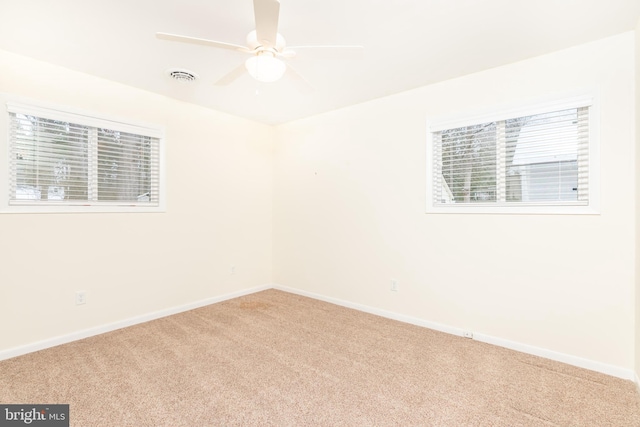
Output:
x=539 y=159
x=58 y=158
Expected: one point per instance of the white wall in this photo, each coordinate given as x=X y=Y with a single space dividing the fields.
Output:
x=637 y=193
x=347 y=190
x=219 y=174
x=349 y=202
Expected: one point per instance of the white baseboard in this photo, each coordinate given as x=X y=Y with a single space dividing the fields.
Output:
x=592 y=365
x=580 y=362
x=365 y=308
x=74 y=336
x=604 y=368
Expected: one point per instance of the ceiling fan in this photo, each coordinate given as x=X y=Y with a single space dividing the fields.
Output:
x=266 y=47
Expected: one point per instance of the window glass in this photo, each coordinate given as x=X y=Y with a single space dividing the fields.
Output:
x=534 y=160
x=59 y=159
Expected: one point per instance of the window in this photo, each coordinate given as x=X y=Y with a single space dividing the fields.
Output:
x=536 y=162
x=60 y=161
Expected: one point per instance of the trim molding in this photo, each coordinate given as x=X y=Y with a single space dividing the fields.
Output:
x=580 y=362
x=604 y=368
x=86 y=333
x=371 y=310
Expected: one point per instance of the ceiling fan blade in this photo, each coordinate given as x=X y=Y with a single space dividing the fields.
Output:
x=204 y=42
x=231 y=76
x=326 y=52
x=266 y=15
x=300 y=82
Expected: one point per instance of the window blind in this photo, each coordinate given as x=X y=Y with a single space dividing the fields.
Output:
x=58 y=160
x=527 y=160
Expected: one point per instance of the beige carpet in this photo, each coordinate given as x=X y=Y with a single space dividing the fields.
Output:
x=274 y=358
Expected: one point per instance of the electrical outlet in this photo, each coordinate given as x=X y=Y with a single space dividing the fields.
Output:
x=467 y=334
x=232 y=270
x=394 y=285
x=81 y=297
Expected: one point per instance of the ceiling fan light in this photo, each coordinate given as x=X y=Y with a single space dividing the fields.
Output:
x=265 y=68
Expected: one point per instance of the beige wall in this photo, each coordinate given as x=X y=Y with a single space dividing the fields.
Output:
x=637 y=194
x=344 y=195
x=349 y=215
x=219 y=213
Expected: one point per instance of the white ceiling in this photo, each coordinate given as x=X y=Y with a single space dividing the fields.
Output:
x=408 y=43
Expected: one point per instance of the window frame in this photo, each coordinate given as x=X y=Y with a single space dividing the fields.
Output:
x=439 y=123
x=81 y=117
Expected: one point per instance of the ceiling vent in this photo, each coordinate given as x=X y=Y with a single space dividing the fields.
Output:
x=183 y=76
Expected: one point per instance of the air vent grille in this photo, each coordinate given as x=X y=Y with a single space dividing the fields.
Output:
x=183 y=76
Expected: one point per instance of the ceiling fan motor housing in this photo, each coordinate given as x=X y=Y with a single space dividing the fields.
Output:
x=256 y=45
